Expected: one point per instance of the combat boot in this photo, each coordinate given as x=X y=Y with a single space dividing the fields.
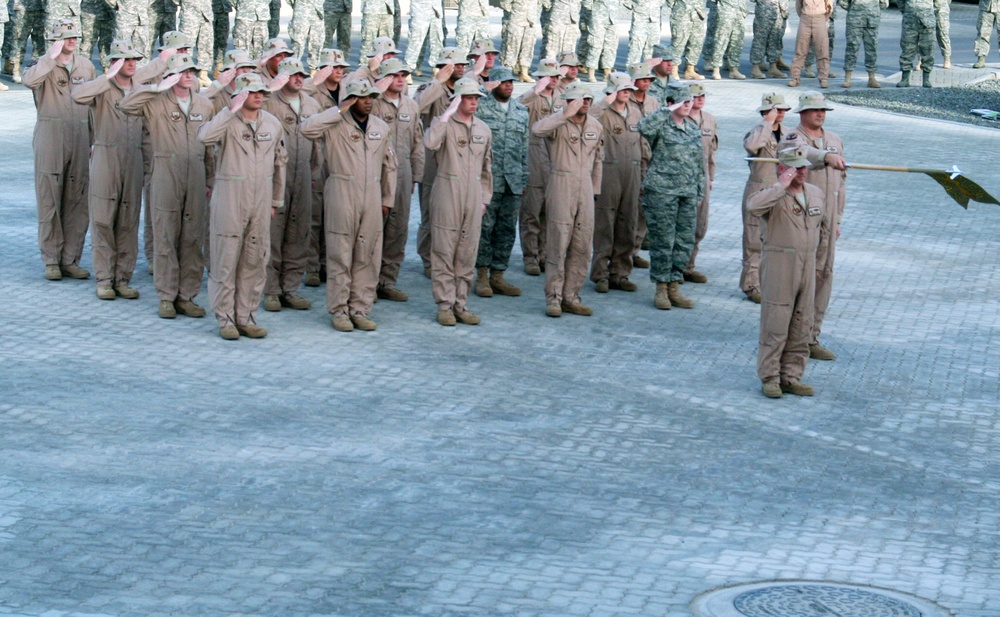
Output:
x=361 y=322
x=104 y=291
x=872 y=81
x=576 y=308
x=203 y=79
x=467 y=317
x=831 y=75
x=753 y=296
x=53 y=273
x=676 y=299
x=797 y=388
x=312 y=279
x=74 y=272
x=553 y=309
x=691 y=73
x=271 y=303
x=167 y=310
x=847 y=79
x=129 y=293
x=716 y=74
x=793 y=82
x=947 y=62
x=502 y=287
x=755 y=72
x=15 y=71
x=980 y=63
x=809 y=72
x=640 y=262
x=391 y=294
x=342 y=323
x=926 y=83
x=592 y=75
x=218 y=69
x=904 y=81
x=251 y=330
x=189 y=308
x=8 y=66
x=525 y=78
x=294 y=301
x=734 y=73
x=675 y=72
x=775 y=71
x=818 y=352
x=771 y=388
x=607 y=74
x=229 y=333
x=532 y=269
x=602 y=286
x=483 y=289
x=824 y=83
x=3 y=87
x=623 y=284
x=446 y=317
x=418 y=73
x=693 y=276
x=662 y=299
x=781 y=64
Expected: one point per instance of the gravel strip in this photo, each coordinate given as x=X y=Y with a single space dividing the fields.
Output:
x=944 y=103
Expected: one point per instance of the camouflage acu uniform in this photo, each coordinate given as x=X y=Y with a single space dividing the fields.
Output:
x=562 y=32
x=863 y=19
x=687 y=29
x=727 y=39
x=769 y=21
x=250 y=29
x=473 y=23
x=196 y=22
x=425 y=24
x=133 y=22
x=376 y=21
x=510 y=175
x=27 y=20
x=989 y=18
x=337 y=14
x=162 y=16
x=220 y=28
x=519 y=33
x=671 y=189
x=918 y=33
x=307 y=29
x=63 y=9
x=600 y=44
x=97 y=22
x=942 y=10
x=273 y=22
x=645 y=31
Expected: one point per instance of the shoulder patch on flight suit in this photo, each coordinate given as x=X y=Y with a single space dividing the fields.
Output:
x=814 y=211
x=590 y=135
x=831 y=149
x=574 y=138
x=404 y=117
x=61 y=83
x=246 y=136
x=478 y=139
x=196 y=118
x=176 y=116
x=289 y=118
x=791 y=136
x=617 y=130
x=374 y=135
x=76 y=80
x=262 y=137
x=355 y=136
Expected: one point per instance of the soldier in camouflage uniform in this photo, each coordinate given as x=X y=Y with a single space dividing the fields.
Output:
x=863 y=19
x=307 y=29
x=645 y=31
x=727 y=39
x=196 y=22
x=687 y=33
x=473 y=23
x=133 y=22
x=671 y=190
x=250 y=29
x=769 y=20
x=942 y=10
x=28 y=19
x=97 y=22
x=273 y=22
x=376 y=21
x=63 y=9
x=989 y=18
x=917 y=37
x=562 y=32
x=520 y=18
x=509 y=125
x=162 y=15
x=220 y=26
x=337 y=14
x=425 y=24
x=601 y=40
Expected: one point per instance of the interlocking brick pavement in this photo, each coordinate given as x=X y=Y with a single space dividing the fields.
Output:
x=612 y=465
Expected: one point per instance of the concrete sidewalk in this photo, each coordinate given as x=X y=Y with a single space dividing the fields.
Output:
x=612 y=465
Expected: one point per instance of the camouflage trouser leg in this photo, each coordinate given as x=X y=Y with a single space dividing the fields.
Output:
x=130 y=27
x=768 y=25
x=687 y=34
x=307 y=34
x=274 y=23
x=95 y=28
x=162 y=20
x=498 y=231
x=861 y=29
x=250 y=36
x=671 y=220
x=423 y=30
x=985 y=24
x=602 y=47
x=372 y=27
x=470 y=29
x=200 y=31
x=32 y=26
x=915 y=40
x=220 y=32
x=338 y=24
x=942 y=10
x=643 y=35
x=728 y=42
x=711 y=27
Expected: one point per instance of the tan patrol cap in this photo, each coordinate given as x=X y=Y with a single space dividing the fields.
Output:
x=450 y=55
x=697 y=89
x=332 y=57
x=568 y=58
x=812 y=100
x=482 y=46
x=383 y=45
x=467 y=87
x=123 y=50
x=63 y=29
x=175 y=39
x=292 y=66
x=178 y=63
x=393 y=66
x=360 y=88
x=793 y=157
x=619 y=81
x=773 y=100
x=547 y=67
x=577 y=90
x=248 y=82
x=275 y=46
x=640 y=70
x=237 y=59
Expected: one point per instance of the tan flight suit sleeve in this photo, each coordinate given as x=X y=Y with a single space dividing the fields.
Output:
x=34 y=75
x=280 y=161
x=711 y=151
x=547 y=126
x=417 y=152
x=314 y=127
x=435 y=134
x=87 y=92
x=761 y=202
x=153 y=71
x=426 y=98
x=757 y=138
x=388 y=180
x=135 y=103
x=486 y=179
x=597 y=174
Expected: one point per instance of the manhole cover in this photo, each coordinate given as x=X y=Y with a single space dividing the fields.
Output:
x=811 y=599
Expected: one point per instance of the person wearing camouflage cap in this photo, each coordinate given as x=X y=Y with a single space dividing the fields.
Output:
x=483 y=54
x=290 y=225
x=433 y=99
x=760 y=141
x=236 y=62
x=797 y=217
x=116 y=169
x=663 y=73
x=250 y=26
x=182 y=173
x=569 y=67
x=463 y=185
x=574 y=139
x=645 y=29
x=646 y=100
x=541 y=101
x=472 y=23
x=402 y=115
x=507 y=120
x=518 y=48
x=61 y=145
x=616 y=211
x=248 y=194
x=709 y=128
x=671 y=190
x=825 y=150
x=359 y=193
x=275 y=51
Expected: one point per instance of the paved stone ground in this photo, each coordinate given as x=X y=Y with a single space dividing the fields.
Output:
x=612 y=465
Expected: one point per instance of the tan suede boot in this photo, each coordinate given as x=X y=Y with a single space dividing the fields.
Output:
x=676 y=299
x=591 y=75
x=691 y=73
x=872 y=82
x=847 y=79
x=502 y=287
x=483 y=289
x=662 y=299
x=775 y=71
x=756 y=73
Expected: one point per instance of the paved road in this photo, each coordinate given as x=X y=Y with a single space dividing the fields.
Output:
x=612 y=465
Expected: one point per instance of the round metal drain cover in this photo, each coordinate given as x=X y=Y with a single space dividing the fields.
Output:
x=811 y=599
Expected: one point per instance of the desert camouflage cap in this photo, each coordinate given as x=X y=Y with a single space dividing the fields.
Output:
x=663 y=52
x=63 y=29
x=568 y=58
x=178 y=63
x=248 y=82
x=697 y=89
x=123 y=50
x=773 y=100
x=619 y=81
x=501 y=73
x=640 y=70
x=467 y=87
x=275 y=46
x=793 y=157
x=332 y=57
x=547 y=67
x=175 y=39
x=292 y=66
x=577 y=90
x=360 y=88
x=482 y=46
x=393 y=66
x=383 y=45
x=812 y=100
x=237 y=59
x=450 y=55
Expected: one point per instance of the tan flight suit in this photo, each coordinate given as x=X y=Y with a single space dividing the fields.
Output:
x=317 y=240
x=648 y=105
x=61 y=144
x=463 y=184
x=407 y=135
x=574 y=179
x=709 y=144
x=831 y=182
x=220 y=97
x=761 y=142
x=290 y=225
x=249 y=182
x=116 y=170
x=433 y=98
x=532 y=219
x=183 y=169
x=792 y=237
x=616 y=211
x=362 y=181
x=814 y=16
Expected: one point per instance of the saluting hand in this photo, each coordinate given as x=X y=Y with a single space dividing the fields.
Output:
x=572 y=107
x=654 y=61
x=542 y=84
x=383 y=84
x=166 y=53
x=445 y=73
x=278 y=83
x=226 y=77
x=322 y=74
x=771 y=116
x=786 y=177
x=491 y=85
x=563 y=70
x=115 y=67
x=375 y=61
x=237 y=101
x=480 y=64
x=56 y=49
x=168 y=82
x=448 y=113
x=346 y=104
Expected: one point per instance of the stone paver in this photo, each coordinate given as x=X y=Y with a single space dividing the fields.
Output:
x=613 y=465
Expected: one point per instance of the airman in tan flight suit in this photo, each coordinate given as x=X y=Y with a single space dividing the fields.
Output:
x=236 y=62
